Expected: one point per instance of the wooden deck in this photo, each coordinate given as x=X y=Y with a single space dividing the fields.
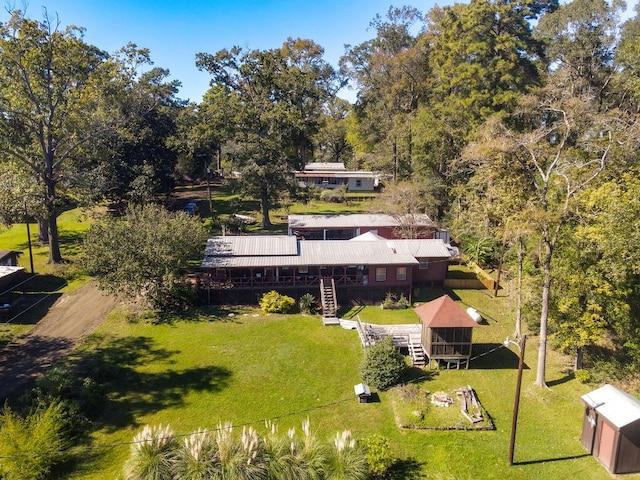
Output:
x=403 y=336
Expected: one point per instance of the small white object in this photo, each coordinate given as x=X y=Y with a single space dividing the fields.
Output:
x=475 y=316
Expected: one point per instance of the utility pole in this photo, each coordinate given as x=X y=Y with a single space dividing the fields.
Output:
x=26 y=220
x=516 y=404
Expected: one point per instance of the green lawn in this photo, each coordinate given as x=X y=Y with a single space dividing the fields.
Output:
x=201 y=371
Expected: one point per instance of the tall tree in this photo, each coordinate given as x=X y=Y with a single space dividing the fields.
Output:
x=51 y=103
x=331 y=143
x=276 y=97
x=580 y=39
x=389 y=71
x=135 y=162
x=551 y=146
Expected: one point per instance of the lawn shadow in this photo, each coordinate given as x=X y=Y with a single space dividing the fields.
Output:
x=20 y=362
x=72 y=242
x=32 y=299
x=559 y=381
x=494 y=356
x=418 y=375
x=203 y=314
x=405 y=469
x=557 y=459
x=115 y=364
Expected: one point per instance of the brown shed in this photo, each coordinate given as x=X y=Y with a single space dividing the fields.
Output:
x=446 y=331
x=611 y=429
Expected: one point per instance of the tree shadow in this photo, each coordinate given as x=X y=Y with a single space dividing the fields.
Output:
x=203 y=314
x=559 y=381
x=20 y=363
x=129 y=393
x=405 y=469
x=72 y=242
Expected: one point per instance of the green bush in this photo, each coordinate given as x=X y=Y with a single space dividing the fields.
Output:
x=335 y=195
x=383 y=365
x=273 y=302
x=378 y=454
x=22 y=440
x=307 y=303
x=584 y=376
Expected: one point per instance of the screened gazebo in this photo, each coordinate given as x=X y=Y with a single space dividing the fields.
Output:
x=447 y=332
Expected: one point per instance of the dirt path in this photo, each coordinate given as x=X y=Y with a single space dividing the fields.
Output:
x=74 y=316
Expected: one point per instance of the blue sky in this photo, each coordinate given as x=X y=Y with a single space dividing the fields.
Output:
x=175 y=31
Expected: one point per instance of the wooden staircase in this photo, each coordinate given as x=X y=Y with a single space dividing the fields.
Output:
x=329 y=302
x=416 y=351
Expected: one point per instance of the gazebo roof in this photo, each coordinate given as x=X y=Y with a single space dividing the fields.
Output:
x=444 y=313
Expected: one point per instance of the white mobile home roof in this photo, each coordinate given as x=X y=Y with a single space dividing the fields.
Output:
x=239 y=252
x=619 y=407
x=352 y=221
x=331 y=166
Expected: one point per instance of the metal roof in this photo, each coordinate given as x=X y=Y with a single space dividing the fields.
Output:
x=335 y=174
x=242 y=252
x=251 y=245
x=619 y=407
x=354 y=220
x=333 y=166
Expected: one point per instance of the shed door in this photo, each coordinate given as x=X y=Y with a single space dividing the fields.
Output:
x=607 y=439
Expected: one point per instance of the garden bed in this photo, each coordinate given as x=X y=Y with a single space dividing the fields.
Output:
x=419 y=409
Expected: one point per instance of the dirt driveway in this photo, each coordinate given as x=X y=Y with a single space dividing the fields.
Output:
x=67 y=323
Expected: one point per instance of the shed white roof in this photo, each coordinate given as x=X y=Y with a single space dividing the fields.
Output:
x=354 y=220
x=240 y=251
x=617 y=406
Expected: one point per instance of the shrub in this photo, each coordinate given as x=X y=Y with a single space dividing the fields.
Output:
x=307 y=303
x=403 y=302
x=383 y=365
x=378 y=454
x=273 y=302
x=335 y=195
x=22 y=439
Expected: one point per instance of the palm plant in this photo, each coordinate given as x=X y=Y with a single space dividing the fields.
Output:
x=152 y=454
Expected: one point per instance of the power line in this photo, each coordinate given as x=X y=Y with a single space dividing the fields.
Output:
x=211 y=430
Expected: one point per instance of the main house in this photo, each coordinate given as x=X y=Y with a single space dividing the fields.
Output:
x=241 y=268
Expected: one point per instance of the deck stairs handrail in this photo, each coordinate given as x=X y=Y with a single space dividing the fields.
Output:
x=416 y=351
x=328 y=301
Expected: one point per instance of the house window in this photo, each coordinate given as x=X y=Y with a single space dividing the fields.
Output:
x=358 y=183
x=303 y=269
x=423 y=263
x=381 y=274
x=401 y=273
